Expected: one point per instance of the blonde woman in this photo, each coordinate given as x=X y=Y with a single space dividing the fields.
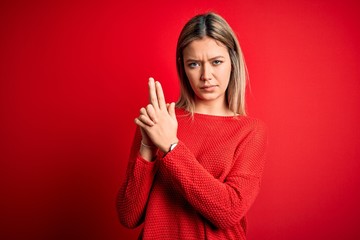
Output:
x=195 y=166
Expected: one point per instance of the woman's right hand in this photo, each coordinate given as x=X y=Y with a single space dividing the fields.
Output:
x=144 y=117
x=145 y=138
x=147 y=149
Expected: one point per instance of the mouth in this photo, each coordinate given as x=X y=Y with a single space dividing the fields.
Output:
x=208 y=87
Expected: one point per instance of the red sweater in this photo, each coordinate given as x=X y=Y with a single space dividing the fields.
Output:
x=203 y=188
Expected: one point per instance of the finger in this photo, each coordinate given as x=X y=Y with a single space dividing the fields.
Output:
x=146 y=120
x=171 y=110
x=152 y=93
x=160 y=95
x=151 y=113
x=141 y=124
x=143 y=111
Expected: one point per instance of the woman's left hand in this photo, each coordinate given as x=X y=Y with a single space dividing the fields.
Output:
x=158 y=119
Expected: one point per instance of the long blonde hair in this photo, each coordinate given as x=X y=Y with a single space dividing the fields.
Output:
x=214 y=26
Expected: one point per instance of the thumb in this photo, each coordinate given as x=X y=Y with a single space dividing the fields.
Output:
x=171 y=110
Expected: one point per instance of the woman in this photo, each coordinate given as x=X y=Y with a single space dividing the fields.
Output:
x=195 y=169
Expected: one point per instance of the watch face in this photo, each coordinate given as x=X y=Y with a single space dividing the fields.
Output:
x=172 y=146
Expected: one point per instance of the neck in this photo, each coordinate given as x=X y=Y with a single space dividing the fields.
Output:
x=212 y=108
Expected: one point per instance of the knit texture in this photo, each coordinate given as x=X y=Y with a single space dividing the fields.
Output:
x=204 y=187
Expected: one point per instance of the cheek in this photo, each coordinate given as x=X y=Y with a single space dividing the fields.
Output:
x=187 y=73
x=224 y=74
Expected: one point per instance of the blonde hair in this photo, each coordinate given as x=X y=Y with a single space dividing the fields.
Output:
x=214 y=26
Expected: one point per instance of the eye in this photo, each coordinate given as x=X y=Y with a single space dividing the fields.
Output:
x=193 y=64
x=217 y=62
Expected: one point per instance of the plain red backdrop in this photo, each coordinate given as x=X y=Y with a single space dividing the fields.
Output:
x=73 y=76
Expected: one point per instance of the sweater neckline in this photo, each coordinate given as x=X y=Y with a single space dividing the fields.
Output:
x=209 y=116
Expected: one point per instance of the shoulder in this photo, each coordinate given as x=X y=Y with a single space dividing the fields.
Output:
x=254 y=124
x=250 y=130
x=247 y=124
x=257 y=133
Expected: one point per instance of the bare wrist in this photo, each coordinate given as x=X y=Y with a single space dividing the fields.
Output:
x=148 y=152
x=147 y=145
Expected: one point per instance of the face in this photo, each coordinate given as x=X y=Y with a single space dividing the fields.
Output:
x=208 y=67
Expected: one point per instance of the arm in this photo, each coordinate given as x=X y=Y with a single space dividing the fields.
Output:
x=133 y=194
x=222 y=203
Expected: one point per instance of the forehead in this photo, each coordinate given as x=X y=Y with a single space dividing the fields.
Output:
x=205 y=47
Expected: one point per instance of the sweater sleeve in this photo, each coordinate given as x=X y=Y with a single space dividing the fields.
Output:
x=223 y=203
x=134 y=191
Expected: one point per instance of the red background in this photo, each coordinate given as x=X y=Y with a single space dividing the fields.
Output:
x=73 y=77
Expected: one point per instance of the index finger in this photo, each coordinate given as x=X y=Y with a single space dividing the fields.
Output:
x=160 y=95
x=152 y=93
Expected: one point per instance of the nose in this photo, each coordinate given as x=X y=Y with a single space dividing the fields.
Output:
x=206 y=73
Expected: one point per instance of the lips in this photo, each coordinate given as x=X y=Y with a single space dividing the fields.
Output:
x=208 y=87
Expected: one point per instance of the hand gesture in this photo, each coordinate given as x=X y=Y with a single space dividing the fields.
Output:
x=158 y=120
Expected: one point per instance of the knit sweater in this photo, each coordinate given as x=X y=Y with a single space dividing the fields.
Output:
x=204 y=187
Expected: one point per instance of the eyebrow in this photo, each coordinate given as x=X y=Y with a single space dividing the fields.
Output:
x=213 y=58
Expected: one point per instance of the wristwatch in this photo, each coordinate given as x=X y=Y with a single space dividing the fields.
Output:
x=172 y=146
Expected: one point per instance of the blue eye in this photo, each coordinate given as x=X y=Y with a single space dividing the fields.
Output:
x=193 y=65
x=217 y=62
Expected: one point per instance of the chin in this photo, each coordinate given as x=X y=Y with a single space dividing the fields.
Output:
x=208 y=98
